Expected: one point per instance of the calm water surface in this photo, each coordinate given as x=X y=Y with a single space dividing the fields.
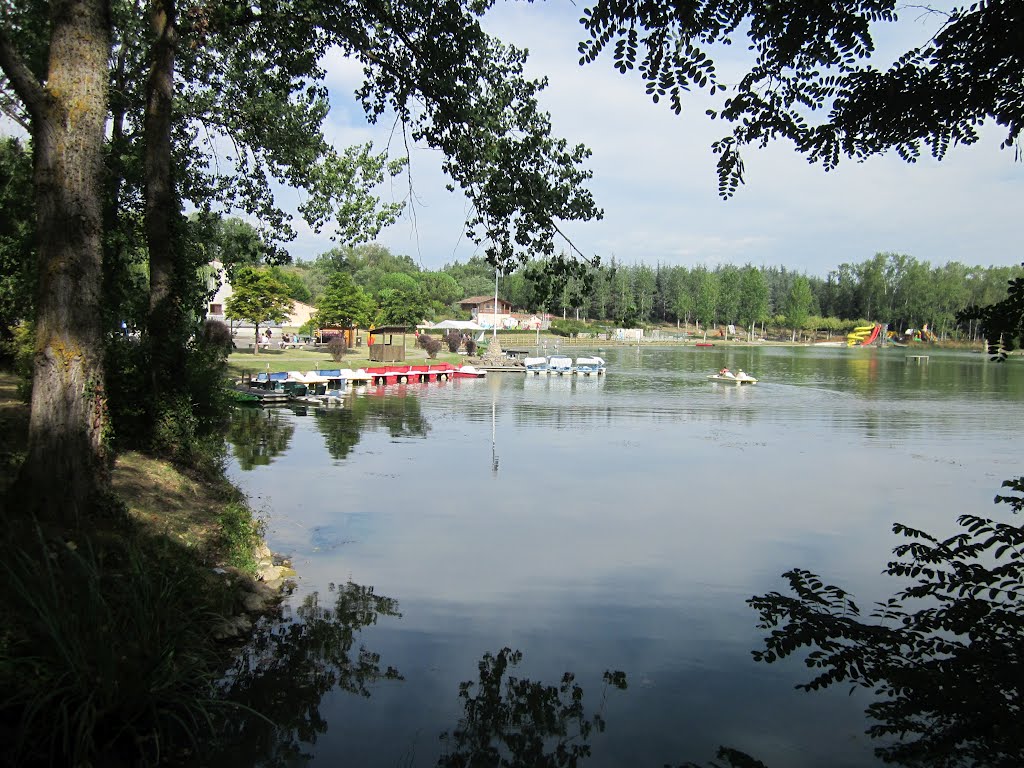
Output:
x=619 y=524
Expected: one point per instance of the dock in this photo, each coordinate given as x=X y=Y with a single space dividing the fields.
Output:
x=917 y=359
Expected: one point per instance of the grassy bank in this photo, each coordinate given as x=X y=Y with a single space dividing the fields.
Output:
x=113 y=636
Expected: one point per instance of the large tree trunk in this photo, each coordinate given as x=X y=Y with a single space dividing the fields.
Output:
x=67 y=464
x=166 y=334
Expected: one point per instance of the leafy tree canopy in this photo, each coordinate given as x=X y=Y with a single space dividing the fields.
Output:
x=402 y=307
x=344 y=304
x=257 y=297
x=811 y=81
x=798 y=304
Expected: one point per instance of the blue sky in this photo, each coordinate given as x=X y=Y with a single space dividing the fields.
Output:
x=654 y=175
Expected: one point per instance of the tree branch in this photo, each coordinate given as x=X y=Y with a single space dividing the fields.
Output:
x=21 y=78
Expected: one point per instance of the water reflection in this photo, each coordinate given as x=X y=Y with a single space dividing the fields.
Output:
x=521 y=723
x=396 y=411
x=944 y=656
x=258 y=436
x=282 y=674
x=631 y=518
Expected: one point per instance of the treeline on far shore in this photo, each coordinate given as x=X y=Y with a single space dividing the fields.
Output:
x=887 y=288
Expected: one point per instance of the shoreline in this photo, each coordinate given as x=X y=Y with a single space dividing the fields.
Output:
x=142 y=608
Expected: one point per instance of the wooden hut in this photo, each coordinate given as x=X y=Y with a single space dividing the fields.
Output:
x=383 y=345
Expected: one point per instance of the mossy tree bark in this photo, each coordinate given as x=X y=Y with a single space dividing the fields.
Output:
x=67 y=463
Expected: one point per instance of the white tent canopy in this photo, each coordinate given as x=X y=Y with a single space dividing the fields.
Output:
x=458 y=325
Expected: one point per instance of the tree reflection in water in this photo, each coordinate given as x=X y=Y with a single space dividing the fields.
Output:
x=513 y=723
x=341 y=428
x=944 y=656
x=281 y=675
x=257 y=436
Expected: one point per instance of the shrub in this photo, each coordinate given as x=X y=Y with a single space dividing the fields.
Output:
x=470 y=347
x=217 y=335
x=337 y=347
x=431 y=345
x=422 y=340
x=454 y=340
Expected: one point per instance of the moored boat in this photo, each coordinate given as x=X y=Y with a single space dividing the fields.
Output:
x=469 y=372
x=559 y=365
x=536 y=365
x=590 y=366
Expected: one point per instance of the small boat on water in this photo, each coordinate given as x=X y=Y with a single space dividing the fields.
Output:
x=469 y=372
x=590 y=366
x=738 y=378
x=559 y=365
x=280 y=383
x=536 y=365
x=326 y=386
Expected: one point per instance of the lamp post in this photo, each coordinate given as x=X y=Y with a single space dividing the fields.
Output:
x=494 y=329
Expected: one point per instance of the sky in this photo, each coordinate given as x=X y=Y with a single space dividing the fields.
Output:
x=654 y=175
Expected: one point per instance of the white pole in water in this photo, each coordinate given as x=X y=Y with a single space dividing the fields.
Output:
x=494 y=333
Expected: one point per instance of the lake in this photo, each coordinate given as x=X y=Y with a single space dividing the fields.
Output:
x=607 y=524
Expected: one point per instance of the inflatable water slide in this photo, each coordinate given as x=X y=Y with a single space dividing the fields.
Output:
x=863 y=336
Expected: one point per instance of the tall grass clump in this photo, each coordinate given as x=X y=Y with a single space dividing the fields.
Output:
x=105 y=657
x=240 y=534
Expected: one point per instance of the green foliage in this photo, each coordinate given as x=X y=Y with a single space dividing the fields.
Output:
x=234 y=243
x=402 y=307
x=105 y=658
x=570 y=327
x=707 y=298
x=441 y=290
x=808 y=81
x=175 y=429
x=753 y=304
x=257 y=297
x=343 y=304
x=1003 y=321
x=185 y=425
x=464 y=93
x=17 y=252
x=942 y=656
x=20 y=347
x=297 y=288
x=340 y=187
x=475 y=277
x=798 y=304
x=240 y=534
